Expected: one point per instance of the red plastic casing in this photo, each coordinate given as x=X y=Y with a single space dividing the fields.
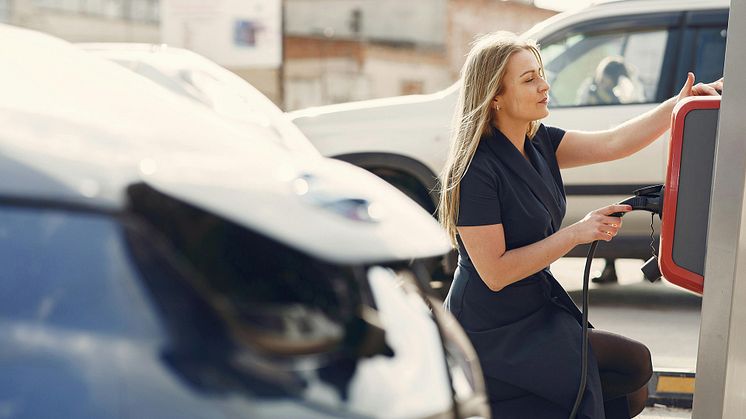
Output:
x=670 y=270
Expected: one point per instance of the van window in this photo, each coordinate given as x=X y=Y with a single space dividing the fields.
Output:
x=709 y=54
x=605 y=68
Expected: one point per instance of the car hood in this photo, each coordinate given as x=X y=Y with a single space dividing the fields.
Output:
x=402 y=113
x=326 y=208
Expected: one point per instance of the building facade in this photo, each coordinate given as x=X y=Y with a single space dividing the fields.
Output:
x=137 y=21
x=347 y=50
x=87 y=20
x=332 y=50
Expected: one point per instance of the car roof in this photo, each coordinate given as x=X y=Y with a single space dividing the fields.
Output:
x=614 y=8
x=76 y=129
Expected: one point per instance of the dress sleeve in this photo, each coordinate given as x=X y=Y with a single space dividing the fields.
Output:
x=479 y=202
x=555 y=136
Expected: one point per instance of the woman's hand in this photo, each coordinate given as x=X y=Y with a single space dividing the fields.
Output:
x=598 y=225
x=700 y=89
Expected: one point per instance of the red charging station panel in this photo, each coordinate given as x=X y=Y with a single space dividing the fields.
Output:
x=686 y=202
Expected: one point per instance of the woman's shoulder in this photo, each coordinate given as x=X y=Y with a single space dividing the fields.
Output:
x=484 y=164
x=549 y=135
x=548 y=130
x=484 y=157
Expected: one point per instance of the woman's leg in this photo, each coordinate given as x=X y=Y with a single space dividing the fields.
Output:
x=624 y=366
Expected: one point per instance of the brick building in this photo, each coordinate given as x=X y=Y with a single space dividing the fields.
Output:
x=470 y=18
x=345 y=50
x=92 y=20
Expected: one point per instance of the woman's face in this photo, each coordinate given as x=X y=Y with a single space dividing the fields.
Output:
x=525 y=93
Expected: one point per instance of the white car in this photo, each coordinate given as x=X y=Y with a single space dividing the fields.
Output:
x=652 y=44
x=159 y=260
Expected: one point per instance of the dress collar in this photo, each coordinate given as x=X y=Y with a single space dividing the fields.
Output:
x=536 y=173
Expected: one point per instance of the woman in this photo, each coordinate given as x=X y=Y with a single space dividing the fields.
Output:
x=502 y=204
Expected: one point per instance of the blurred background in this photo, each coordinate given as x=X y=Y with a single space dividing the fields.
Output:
x=300 y=53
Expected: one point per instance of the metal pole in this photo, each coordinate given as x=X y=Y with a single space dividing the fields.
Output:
x=721 y=359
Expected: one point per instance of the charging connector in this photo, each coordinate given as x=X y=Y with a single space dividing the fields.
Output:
x=649 y=198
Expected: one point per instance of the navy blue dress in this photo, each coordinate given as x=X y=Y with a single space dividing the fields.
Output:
x=527 y=335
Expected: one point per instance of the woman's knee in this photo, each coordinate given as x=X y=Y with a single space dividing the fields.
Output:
x=636 y=401
x=644 y=365
x=640 y=365
x=623 y=357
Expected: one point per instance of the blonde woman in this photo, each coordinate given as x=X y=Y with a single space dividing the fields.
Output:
x=502 y=204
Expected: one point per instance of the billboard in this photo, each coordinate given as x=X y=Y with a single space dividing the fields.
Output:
x=233 y=33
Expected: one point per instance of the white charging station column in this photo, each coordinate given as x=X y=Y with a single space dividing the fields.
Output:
x=721 y=360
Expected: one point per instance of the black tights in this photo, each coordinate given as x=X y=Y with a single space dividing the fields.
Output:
x=625 y=368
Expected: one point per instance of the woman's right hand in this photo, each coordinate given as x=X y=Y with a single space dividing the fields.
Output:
x=599 y=225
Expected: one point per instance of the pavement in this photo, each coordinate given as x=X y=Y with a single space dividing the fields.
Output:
x=660 y=412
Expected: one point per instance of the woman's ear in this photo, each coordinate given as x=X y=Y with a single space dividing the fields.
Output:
x=495 y=104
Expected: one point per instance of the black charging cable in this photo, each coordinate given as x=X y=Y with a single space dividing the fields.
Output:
x=649 y=198
x=584 y=350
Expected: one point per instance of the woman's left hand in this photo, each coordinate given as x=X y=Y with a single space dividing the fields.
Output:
x=700 y=89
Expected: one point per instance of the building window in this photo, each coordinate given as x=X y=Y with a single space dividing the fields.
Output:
x=144 y=10
x=134 y=10
x=4 y=10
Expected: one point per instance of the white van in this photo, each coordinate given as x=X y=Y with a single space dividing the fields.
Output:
x=649 y=44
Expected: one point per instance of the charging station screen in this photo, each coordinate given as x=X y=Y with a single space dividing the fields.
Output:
x=695 y=186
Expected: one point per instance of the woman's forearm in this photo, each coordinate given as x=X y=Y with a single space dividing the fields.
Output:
x=637 y=133
x=522 y=262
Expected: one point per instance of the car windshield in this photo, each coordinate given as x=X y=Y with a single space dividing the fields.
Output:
x=90 y=299
x=70 y=271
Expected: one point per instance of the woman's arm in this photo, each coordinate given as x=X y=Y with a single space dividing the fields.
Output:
x=580 y=148
x=499 y=268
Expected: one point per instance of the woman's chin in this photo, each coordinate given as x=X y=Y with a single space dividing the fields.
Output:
x=540 y=115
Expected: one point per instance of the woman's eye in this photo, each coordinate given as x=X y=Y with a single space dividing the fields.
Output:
x=530 y=80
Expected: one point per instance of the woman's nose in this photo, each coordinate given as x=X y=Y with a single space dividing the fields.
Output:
x=544 y=87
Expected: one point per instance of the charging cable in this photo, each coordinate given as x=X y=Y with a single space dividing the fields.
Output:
x=584 y=350
x=649 y=198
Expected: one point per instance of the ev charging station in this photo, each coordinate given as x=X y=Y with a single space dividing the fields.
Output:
x=721 y=358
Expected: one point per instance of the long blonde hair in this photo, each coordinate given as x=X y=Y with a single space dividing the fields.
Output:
x=481 y=80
